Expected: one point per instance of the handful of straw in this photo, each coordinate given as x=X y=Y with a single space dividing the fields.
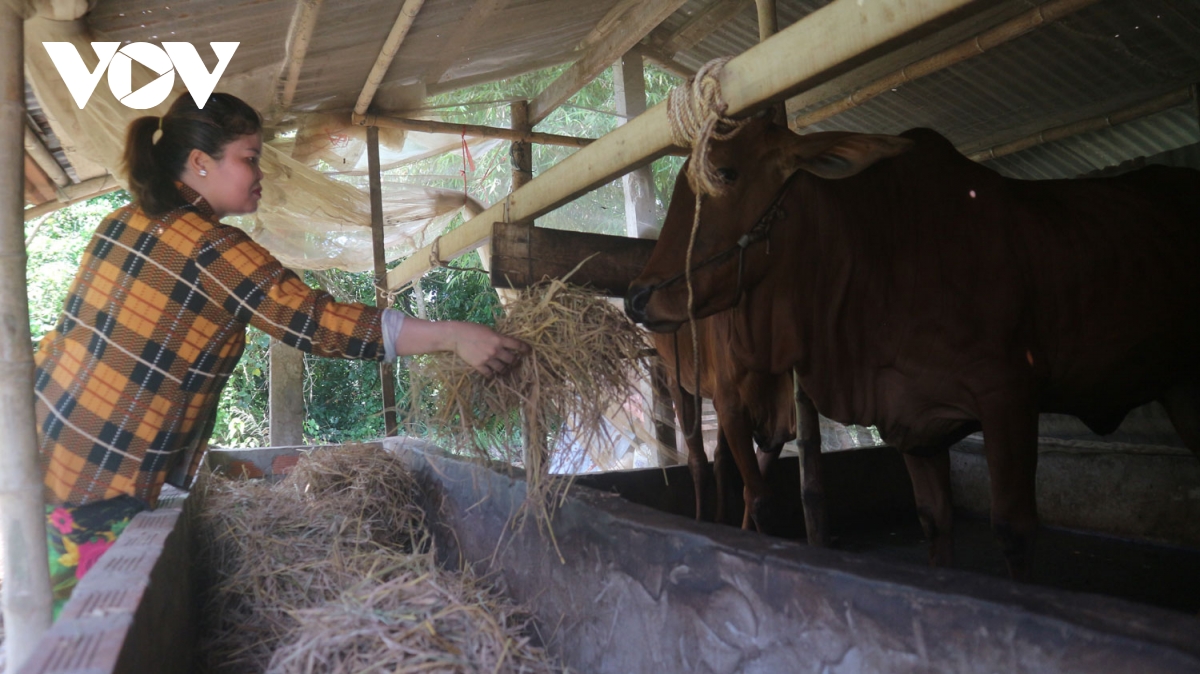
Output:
x=584 y=363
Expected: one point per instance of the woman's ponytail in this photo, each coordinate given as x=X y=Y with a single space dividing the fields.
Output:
x=150 y=185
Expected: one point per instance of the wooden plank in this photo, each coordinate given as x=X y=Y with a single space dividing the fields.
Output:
x=463 y=34
x=624 y=34
x=807 y=51
x=629 y=91
x=523 y=255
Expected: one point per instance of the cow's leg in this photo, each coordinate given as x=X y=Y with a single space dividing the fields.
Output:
x=1183 y=408
x=697 y=460
x=812 y=481
x=1009 y=420
x=734 y=422
x=930 y=474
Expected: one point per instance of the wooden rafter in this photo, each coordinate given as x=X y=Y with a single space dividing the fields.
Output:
x=701 y=25
x=39 y=188
x=462 y=35
x=474 y=130
x=304 y=21
x=667 y=63
x=623 y=34
x=404 y=21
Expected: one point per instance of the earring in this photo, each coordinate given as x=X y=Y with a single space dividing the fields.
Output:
x=203 y=173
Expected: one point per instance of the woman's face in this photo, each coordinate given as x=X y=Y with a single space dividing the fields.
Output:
x=232 y=184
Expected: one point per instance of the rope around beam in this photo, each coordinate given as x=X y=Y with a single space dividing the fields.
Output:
x=696 y=112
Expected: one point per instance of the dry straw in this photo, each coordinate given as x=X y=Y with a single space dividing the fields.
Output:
x=584 y=364
x=332 y=571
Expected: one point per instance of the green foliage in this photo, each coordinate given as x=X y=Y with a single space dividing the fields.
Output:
x=59 y=240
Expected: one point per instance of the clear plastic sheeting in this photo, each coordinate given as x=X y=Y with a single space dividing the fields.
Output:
x=306 y=219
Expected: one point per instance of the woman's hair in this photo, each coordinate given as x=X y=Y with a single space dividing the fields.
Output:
x=152 y=167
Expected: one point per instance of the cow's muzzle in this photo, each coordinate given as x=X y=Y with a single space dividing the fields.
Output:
x=636 y=300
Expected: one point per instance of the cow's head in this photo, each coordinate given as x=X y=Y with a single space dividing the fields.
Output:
x=735 y=226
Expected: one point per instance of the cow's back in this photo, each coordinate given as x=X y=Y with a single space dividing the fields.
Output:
x=927 y=277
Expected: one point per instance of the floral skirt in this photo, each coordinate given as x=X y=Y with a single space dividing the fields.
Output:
x=76 y=537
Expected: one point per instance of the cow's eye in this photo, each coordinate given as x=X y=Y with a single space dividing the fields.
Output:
x=728 y=175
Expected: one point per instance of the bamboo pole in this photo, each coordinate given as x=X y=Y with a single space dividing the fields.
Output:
x=768 y=21
x=304 y=21
x=767 y=72
x=408 y=14
x=26 y=570
x=522 y=135
x=73 y=194
x=1005 y=32
x=1150 y=107
x=386 y=377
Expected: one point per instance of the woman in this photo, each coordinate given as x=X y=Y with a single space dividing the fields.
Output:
x=127 y=383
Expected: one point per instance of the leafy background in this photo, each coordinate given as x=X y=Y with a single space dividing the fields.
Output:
x=343 y=402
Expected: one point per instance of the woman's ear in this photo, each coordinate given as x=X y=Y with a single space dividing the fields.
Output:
x=198 y=163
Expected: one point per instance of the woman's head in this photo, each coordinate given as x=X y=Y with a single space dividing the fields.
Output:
x=214 y=150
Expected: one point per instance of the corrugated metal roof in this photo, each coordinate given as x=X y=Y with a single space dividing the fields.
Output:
x=1100 y=59
x=1110 y=55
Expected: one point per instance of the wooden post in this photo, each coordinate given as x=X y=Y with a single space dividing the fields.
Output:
x=286 y=395
x=521 y=154
x=23 y=561
x=386 y=377
x=812 y=490
x=629 y=88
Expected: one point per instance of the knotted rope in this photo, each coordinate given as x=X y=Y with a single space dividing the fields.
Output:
x=696 y=112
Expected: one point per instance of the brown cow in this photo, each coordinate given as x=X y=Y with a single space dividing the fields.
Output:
x=922 y=293
x=748 y=403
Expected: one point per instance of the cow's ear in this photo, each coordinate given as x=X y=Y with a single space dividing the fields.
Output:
x=841 y=155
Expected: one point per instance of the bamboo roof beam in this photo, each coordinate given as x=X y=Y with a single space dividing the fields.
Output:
x=304 y=21
x=40 y=155
x=1155 y=105
x=404 y=21
x=73 y=194
x=636 y=21
x=794 y=58
x=990 y=39
x=475 y=130
x=463 y=34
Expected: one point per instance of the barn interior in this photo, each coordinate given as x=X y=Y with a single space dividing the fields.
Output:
x=1034 y=90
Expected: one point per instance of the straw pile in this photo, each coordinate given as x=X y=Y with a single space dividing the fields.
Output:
x=584 y=362
x=332 y=570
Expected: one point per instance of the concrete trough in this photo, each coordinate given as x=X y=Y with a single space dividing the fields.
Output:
x=628 y=585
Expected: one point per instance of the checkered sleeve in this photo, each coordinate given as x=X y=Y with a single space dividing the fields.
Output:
x=257 y=290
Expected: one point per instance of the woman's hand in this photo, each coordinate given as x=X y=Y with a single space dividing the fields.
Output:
x=481 y=347
x=486 y=350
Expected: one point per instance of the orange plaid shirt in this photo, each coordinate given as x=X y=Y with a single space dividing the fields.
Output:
x=128 y=381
